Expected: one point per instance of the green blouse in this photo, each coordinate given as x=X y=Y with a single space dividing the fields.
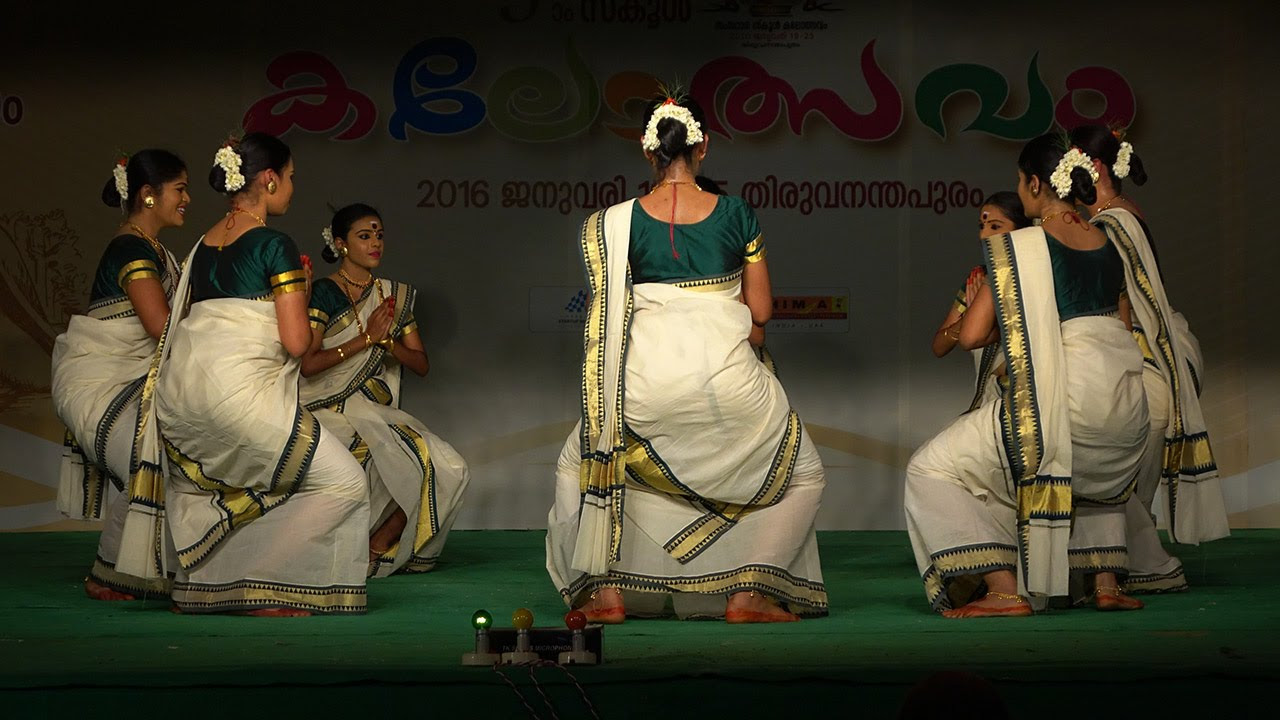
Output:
x=259 y=265
x=1085 y=282
x=715 y=246
x=329 y=302
x=127 y=258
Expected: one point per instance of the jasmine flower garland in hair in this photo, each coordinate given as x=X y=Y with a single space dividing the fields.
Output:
x=327 y=234
x=229 y=160
x=669 y=109
x=1121 y=167
x=1061 y=177
x=121 y=174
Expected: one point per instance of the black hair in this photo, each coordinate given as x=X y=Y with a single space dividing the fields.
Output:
x=672 y=134
x=1098 y=142
x=342 y=222
x=258 y=152
x=1011 y=206
x=146 y=167
x=1040 y=157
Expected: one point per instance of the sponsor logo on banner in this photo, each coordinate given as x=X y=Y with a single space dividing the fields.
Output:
x=558 y=308
x=816 y=310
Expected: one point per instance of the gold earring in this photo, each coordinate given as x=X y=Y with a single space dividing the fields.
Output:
x=271 y=187
x=149 y=201
x=342 y=251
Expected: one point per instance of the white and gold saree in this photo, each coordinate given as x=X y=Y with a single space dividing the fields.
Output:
x=265 y=510
x=689 y=474
x=1179 y=453
x=103 y=381
x=358 y=401
x=995 y=489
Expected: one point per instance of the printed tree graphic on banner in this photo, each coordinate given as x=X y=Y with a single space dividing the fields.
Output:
x=40 y=285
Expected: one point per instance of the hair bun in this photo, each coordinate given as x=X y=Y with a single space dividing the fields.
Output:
x=110 y=195
x=1082 y=187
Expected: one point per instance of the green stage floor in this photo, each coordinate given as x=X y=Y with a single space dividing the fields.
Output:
x=1194 y=654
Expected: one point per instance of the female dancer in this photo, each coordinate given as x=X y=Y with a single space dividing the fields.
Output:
x=1178 y=450
x=100 y=366
x=1014 y=497
x=270 y=515
x=362 y=332
x=721 y=482
x=1000 y=213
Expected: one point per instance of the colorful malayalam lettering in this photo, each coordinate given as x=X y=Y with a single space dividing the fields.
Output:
x=756 y=99
x=279 y=112
x=532 y=103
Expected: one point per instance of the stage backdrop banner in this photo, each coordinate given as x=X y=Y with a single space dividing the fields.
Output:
x=864 y=134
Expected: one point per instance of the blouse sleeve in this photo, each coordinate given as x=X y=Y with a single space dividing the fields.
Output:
x=753 y=251
x=326 y=301
x=135 y=258
x=283 y=266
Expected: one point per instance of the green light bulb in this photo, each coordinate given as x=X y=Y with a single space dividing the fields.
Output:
x=481 y=620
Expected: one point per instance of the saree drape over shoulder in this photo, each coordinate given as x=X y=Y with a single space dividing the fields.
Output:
x=358 y=401
x=265 y=509
x=1000 y=487
x=1179 y=455
x=103 y=382
x=689 y=473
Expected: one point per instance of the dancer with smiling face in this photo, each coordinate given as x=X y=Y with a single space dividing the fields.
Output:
x=100 y=384
x=269 y=514
x=363 y=332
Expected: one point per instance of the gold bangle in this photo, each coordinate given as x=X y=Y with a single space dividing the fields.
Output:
x=368 y=340
x=342 y=357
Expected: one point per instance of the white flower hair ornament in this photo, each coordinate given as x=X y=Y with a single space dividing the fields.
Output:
x=679 y=113
x=1061 y=177
x=121 y=173
x=1121 y=167
x=327 y=234
x=229 y=160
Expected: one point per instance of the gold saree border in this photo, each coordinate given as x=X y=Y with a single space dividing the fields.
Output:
x=405 y=296
x=1040 y=498
x=1099 y=559
x=715 y=283
x=954 y=575
x=1183 y=455
x=261 y=594
x=1170 y=582
x=429 y=512
x=806 y=597
x=601 y=475
x=105 y=574
x=690 y=542
x=243 y=505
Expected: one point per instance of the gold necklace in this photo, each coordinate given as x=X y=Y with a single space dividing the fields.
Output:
x=674 y=182
x=246 y=212
x=155 y=244
x=1044 y=220
x=355 y=312
x=1104 y=207
x=352 y=282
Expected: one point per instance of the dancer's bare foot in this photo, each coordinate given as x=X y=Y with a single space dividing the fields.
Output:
x=277 y=612
x=102 y=592
x=993 y=604
x=605 y=606
x=753 y=607
x=1107 y=599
